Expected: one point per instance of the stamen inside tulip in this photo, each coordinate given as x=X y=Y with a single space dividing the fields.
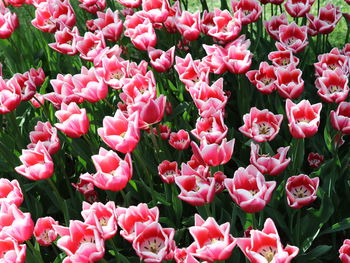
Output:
x=285 y=61
x=291 y=41
x=69 y=42
x=122 y=134
x=246 y=12
x=266 y=81
x=268 y=252
x=169 y=173
x=45 y=236
x=253 y=192
x=333 y=66
x=302 y=120
x=334 y=88
x=153 y=245
x=87 y=239
x=264 y=128
x=300 y=192
x=103 y=221
x=117 y=75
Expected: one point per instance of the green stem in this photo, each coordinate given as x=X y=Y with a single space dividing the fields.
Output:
x=35 y=252
x=62 y=203
x=297 y=232
x=114 y=247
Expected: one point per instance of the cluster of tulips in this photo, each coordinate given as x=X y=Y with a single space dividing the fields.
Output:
x=142 y=105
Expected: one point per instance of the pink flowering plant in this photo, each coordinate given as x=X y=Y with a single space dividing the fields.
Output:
x=174 y=131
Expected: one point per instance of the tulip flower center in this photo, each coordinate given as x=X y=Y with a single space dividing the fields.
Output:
x=45 y=236
x=334 y=88
x=116 y=75
x=103 y=221
x=69 y=42
x=266 y=81
x=246 y=12
x=153 y=245
x=300 y=192
x=291 y=41
x=169 y=173
x=332 y=66
x=87 y=239
x=302 y=120
x=214 y=240
x=264 y=128
x=253 y=192
x=268 y=253
x=285 y=61
x=122 y=134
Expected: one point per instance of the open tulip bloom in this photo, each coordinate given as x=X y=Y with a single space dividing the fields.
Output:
x=174 y=131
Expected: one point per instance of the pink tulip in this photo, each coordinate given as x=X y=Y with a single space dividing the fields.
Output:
x=332 y=86
x=214 y=59
x=263 y=79
x=83 y=186
x=164 y=131
x=340 y=119
x=289 y=83
x=44 y=232
x=80 y=241
x=212 y=242
x=161 y=60
x=250 y=9
x=326 y=21
x=8 y=22
x=37 y=163
x=237 y=57
x=66 y=40
x=113 y=72
x=90 y=45
x=140 y=31
x=261 y=125
x=292 y=37
x=195 y=188
x=188 y=25
x=73 y=120
x=113 y=173
x=225 y=27
x=266 y=164
x=11 y=251
x=344 y=251
x=156 y=10
x=266 y=246
x=52 y=14
x=119 y=132
x=272 y=26
x=191 y=71
x=315 y=160
x=93 y=6
x=153 y=243
x=209 y=99
x=168 y=171
x=212 y=128
x=214 y=154
x=331 y=61
x=105 y=215
x=64 y=91
x=283 y=58
x=14 y=223
x=183 y=255
x=44 y=132
x=303 y=118
x=249 y=189
x=129 y=217
x=150 y=112
x=130 y=3
x=10 y=95
x=139 y=88
x=10 y=192
x=298 y=8
x=180 y=140
x=301 y=190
